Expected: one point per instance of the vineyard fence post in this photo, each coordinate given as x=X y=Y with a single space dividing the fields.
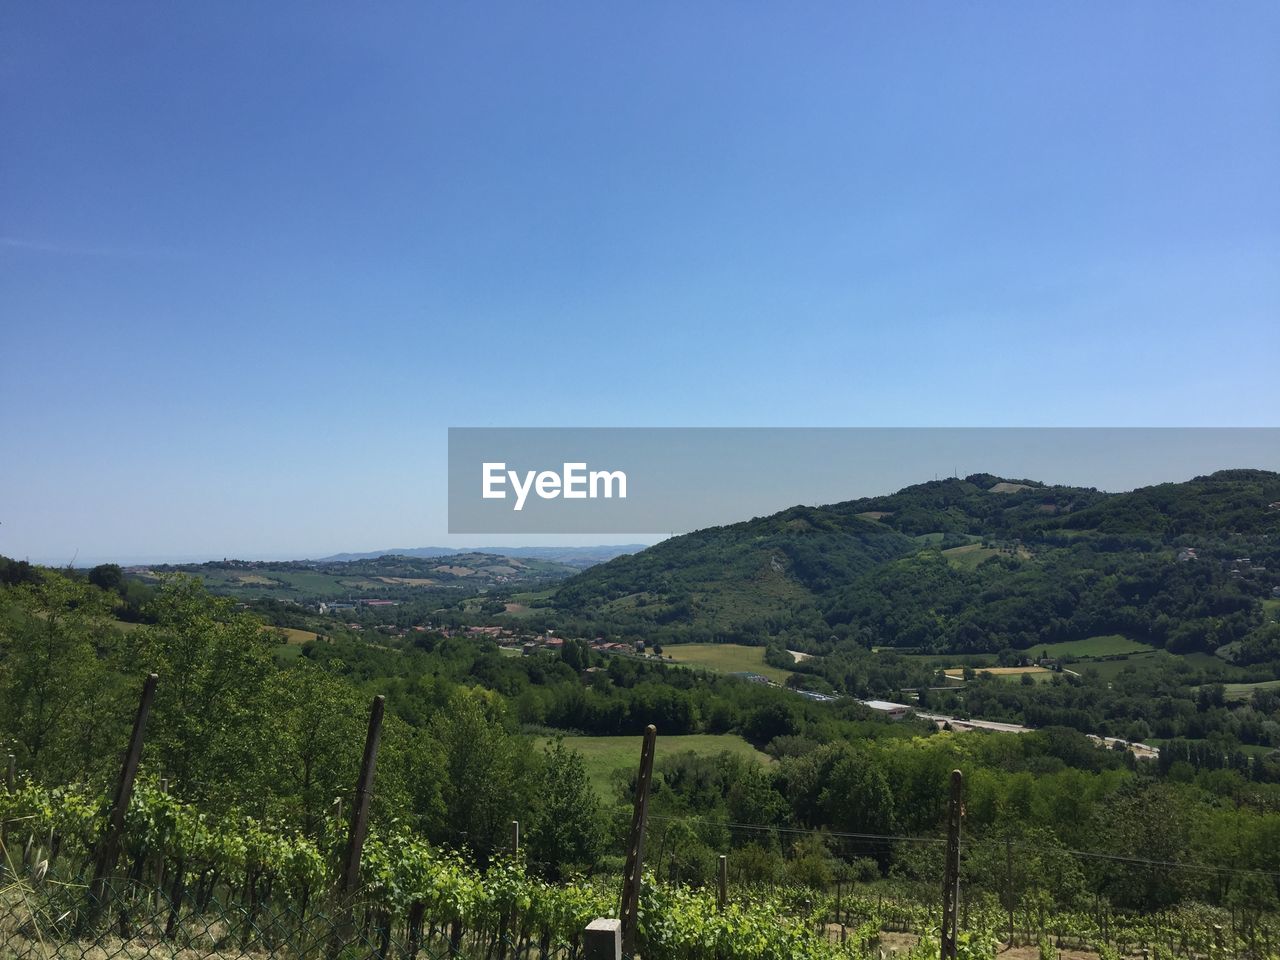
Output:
x=1008 y=884
x=10 y=784
x=109 y=848
x=951 y=874
x=633 y=875
x=349 y=880
x=722 y=886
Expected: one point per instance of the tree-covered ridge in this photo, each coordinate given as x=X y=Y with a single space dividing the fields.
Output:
x=974 y=565
x=391 y=576
x=735 y=575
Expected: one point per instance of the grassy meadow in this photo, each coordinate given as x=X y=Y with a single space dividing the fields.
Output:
x=603 y=756
x=725 y=658
x=1109 y=645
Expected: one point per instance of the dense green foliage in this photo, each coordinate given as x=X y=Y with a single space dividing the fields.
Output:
x=957 y=566
x=256 y=746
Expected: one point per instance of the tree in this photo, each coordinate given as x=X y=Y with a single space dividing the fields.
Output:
x=107 y=576
x=566 y=832
x=56 y=698
x=481 y=791
x=318 y=741
x=212 y=718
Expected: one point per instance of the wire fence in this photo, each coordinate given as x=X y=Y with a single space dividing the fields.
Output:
x=1022 y=892
x=879 y=894
x=132 y=919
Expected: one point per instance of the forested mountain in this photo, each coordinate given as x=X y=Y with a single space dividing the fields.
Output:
x=971 y=565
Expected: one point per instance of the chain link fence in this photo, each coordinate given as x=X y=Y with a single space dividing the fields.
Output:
x=131 y=920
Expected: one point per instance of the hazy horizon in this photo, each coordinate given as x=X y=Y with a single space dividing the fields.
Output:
x=492 y=542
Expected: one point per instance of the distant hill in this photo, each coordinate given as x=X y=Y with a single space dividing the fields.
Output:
x=383 y=577
x=580 y=557
x=979 y=565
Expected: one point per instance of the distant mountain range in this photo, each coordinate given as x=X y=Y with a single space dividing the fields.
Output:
x=580 y=557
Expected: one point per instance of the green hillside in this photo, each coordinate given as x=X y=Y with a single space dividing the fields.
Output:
x=975 y=565
x=743 y=581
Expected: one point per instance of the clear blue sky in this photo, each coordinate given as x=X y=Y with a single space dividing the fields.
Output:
x=256 y=257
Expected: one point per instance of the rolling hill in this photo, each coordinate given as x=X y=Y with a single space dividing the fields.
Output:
x=974 y=565
x=391 y=577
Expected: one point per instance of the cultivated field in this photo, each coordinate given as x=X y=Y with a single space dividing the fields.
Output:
x=296 y=636
x=1243 y=691
x=602 y=756
x=725 y=658
x=969 y=556
x=1110 y=645
x=1004 y=673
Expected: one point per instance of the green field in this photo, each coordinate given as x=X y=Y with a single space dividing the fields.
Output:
x=1243 y=691
x=1110 y=645
x=1110 y=669
x=725 y=658
x=1252 y=749
x=602 y=756
x=969 y=556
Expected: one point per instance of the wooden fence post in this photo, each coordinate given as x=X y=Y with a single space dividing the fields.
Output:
x=349 y=879
x=10 y=784
x=951 y=875
x=633 y=875
x=722 y=888
x=109 y=849
x=1008 y=879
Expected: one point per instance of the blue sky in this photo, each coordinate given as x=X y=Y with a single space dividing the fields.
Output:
x=256 y=258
